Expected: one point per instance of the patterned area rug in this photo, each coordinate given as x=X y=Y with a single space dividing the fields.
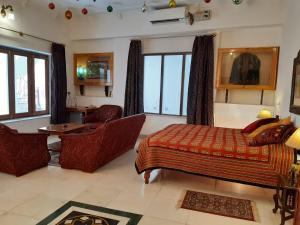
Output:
x=219 y=205
x=54 y=161
x=76 y=213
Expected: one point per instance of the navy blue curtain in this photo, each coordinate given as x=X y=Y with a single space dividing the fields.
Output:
x=58 y=84
x=200 y=109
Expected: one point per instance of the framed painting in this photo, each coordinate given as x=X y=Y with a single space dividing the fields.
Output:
x=247 y=68
x=94 y=69
x=295 y=89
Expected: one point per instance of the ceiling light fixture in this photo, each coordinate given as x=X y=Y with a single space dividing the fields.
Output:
x=7 y=11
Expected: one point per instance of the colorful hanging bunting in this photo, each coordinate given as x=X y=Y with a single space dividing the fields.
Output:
x=172 y=3
x=84 y=11
x=109 y=8
x=51 y=6
x=237 y=2
x=68 y=14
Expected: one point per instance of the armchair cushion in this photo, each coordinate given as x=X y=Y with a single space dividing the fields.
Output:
x=103 y=114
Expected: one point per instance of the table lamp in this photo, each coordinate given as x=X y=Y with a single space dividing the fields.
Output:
x=294 y=142
x=265 y=113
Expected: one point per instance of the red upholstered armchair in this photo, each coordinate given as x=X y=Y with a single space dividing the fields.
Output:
x=89 y=151
x=22 y=153
x=104 y=114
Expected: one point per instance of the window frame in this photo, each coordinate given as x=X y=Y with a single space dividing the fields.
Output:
x=31 y=55
x=184 y=54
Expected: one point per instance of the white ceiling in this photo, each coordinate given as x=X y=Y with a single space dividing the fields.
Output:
x=100 y=5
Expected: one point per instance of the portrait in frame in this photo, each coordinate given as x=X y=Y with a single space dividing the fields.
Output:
x=247 y=68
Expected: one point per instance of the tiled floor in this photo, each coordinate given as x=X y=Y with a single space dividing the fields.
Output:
x=28 y=199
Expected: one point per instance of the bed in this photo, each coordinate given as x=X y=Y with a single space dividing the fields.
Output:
x=217 y=152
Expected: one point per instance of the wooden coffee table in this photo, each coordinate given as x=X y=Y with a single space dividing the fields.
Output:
x=61 y=129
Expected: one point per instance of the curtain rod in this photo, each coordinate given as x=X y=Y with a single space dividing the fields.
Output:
x=145 y=37
x=176 y=36
x=22 y=34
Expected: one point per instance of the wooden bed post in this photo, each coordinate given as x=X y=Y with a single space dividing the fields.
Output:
x=147 y=176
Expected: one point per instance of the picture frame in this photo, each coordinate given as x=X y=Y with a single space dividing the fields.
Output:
x=93 y=69
x=247 y=68
x=295 y=87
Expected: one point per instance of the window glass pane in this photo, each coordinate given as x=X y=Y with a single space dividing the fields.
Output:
x=172 y=84
x=188 y=59
x=21 y=84
x=40 y=84
x=4 y=95
x=152 y=74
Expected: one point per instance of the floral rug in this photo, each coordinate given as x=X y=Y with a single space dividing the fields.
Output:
x=76 y=213
x=219 y=205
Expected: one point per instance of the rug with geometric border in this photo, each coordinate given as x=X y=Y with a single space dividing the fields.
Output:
x=76 y=213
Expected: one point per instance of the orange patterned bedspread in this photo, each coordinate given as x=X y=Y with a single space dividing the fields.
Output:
x=216 y=141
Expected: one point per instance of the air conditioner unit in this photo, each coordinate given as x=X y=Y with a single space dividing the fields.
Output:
x=168 y=15
x=179 y=14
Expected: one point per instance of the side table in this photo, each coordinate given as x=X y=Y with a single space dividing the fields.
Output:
x=285 y=198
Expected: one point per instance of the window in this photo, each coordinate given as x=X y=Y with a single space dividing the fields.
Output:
x=166 y=78
x=23 y=83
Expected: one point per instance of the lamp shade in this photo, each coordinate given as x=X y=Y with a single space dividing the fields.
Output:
x=294 y=140
x=265 y=113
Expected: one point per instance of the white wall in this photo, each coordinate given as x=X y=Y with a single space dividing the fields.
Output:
x=35 y=21
x=236 y=115
x=254 y=23
x=42 y=23
x=256 y=37
x=135 y=23
x=120 y=47
x=228 y=115
x=289 y=50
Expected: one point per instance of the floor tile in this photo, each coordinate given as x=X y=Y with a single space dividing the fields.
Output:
x=28 y=199
x=195 y=218
x=146 y=220
x=131 y=202
x=167 y=209
x=243 y=189
x=15 y=219
x=97 y=195
x=12 y=198
x=38 y=207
